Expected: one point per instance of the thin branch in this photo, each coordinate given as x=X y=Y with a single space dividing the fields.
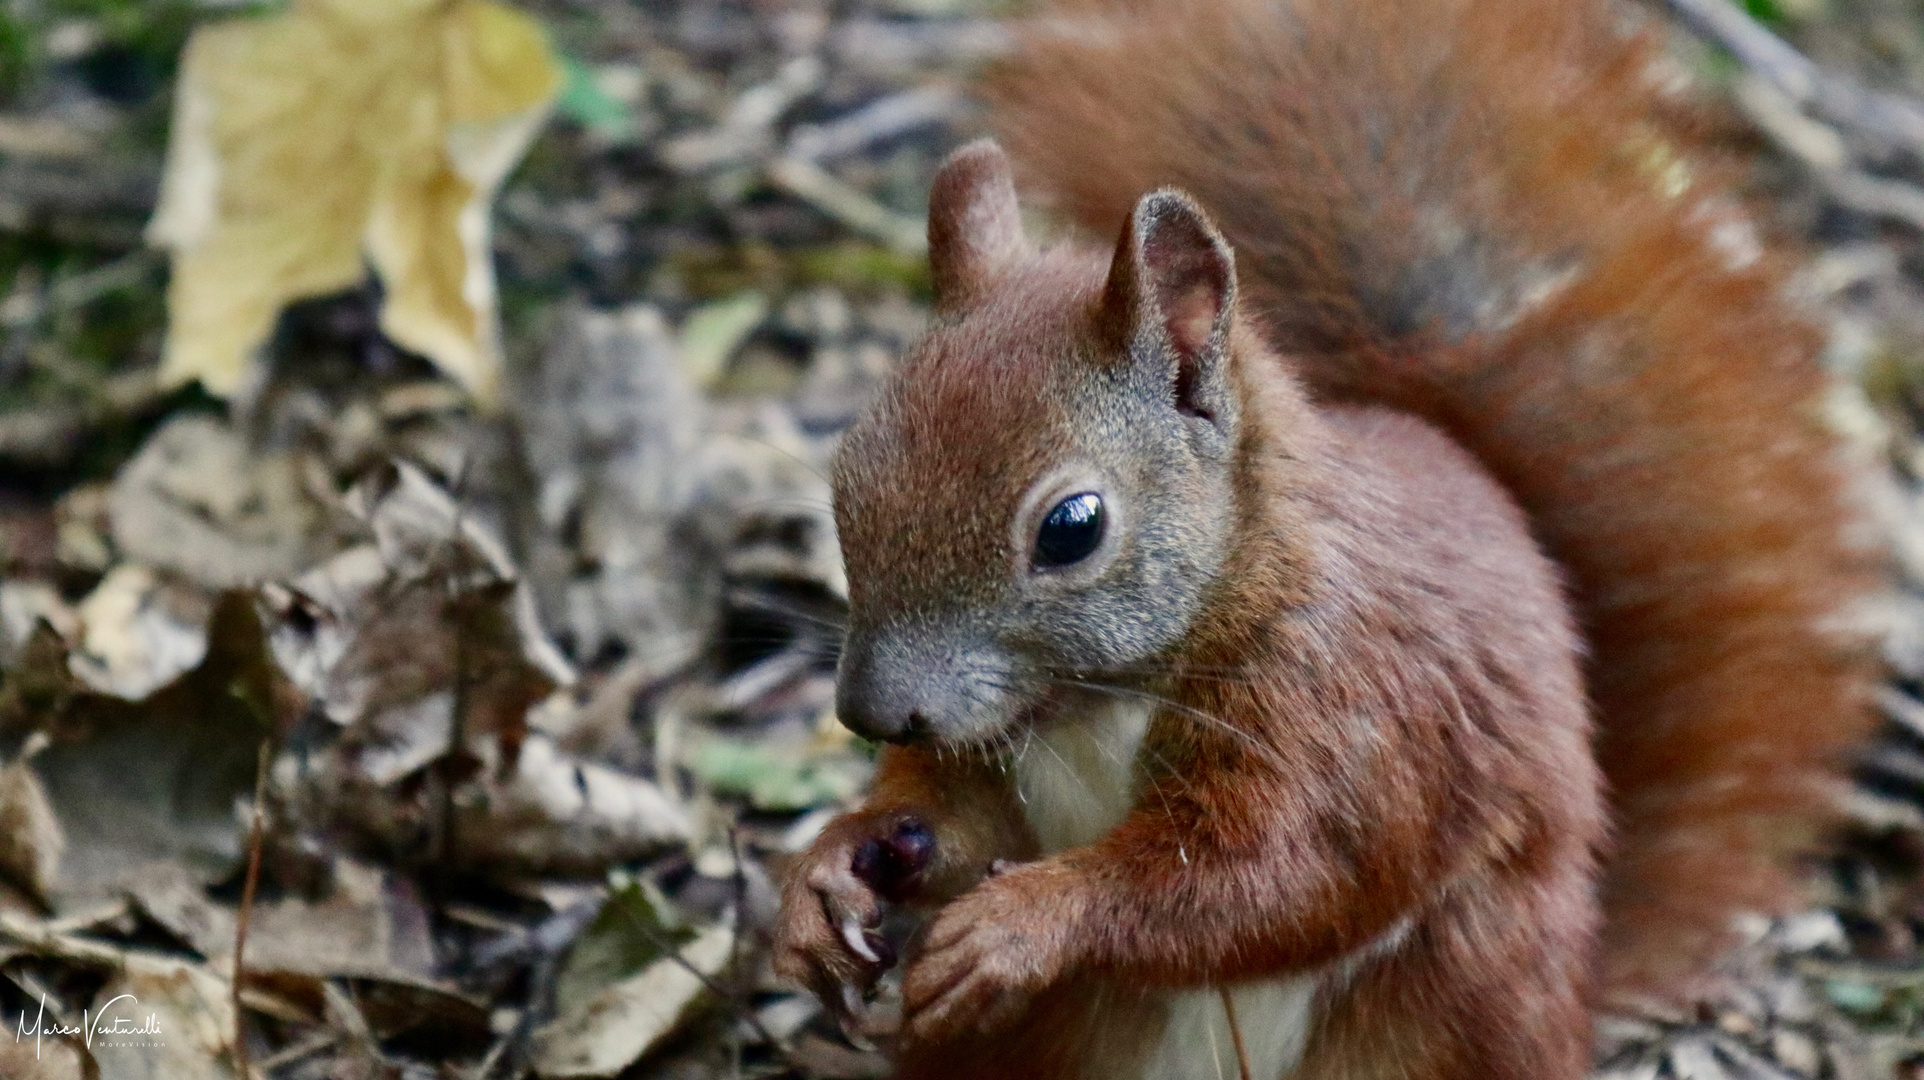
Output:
x=735 y=943
x=254 y=843
x=1891 y=119
x=672 y=952
x=1235 y=1032
x=306 y=1048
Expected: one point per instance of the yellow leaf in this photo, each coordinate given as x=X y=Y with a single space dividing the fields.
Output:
x=340 y=134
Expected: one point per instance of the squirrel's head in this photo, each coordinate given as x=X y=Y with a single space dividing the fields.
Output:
x=1042 y=493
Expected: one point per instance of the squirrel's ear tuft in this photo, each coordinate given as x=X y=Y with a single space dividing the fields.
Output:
x=1174 y=278
x=975 y=226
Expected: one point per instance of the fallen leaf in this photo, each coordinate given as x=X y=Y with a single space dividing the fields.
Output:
x=158 y=778
x=395 y=1005
x=40 y=1059
x=558 y=814
x=776 y=777
x=37 y=682
x=338 y=131
x=1854 y=997
x=546 y=813
x=388 y=639
x=139 y=633
x=159 y=1018
x=24 y=607
x=613 y=429
x=771 y=502
x=200 y=502
x=31 y=841
x=177 y=900
x=380 y=634
x=586 y=99
x=714 y=331
x=368 y=925
x=1693 y=1059
x=634 y=928
x=613 y=1029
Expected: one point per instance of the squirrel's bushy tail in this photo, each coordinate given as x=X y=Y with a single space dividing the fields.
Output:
x=1483 y=212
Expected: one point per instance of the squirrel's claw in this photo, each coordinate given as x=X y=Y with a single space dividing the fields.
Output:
x=853 y=935
x=828 y=939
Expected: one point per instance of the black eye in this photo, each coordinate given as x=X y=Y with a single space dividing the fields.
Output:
x=1071 y=532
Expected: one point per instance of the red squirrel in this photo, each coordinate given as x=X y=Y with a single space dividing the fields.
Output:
x=1379 y=609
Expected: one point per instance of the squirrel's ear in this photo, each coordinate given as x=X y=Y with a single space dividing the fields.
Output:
x=975 y=226
x=1174 y=279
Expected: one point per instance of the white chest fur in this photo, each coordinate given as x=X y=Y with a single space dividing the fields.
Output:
x=1077 y=781
x=1077 y=778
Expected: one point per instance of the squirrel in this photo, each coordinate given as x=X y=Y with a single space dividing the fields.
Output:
x=1386 y=606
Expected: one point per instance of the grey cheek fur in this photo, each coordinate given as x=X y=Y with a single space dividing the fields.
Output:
x=1143 y=604
x=1173 y=471
x=964 y=675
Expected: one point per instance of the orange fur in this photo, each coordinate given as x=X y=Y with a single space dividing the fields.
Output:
x=1478 y=497
x=1470 y=211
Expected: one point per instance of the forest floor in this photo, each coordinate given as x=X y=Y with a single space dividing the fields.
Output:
x=483 y=736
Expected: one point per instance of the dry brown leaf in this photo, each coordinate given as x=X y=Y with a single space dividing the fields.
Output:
x=199 y=501
x=140 y=632
x=134 y=781
x=545 y=813
x=24 y=606
x=365 y=927
x=31 y=842
x=339 y=131
x=40 y=1059
x=614 y=1028
x=556 y=813
x=163 y=1019
x=381 y=635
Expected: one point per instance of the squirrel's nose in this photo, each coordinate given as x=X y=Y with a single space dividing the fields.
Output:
x=884 y=726
x=880 y=709
x=892 y=689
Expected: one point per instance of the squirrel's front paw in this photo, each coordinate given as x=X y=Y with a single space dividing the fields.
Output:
x=827 y=937
x=991 y=951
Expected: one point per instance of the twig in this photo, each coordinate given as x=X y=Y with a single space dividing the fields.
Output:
x=441 y=846
x=1235 y=1032
x=493 y=1057
x=306 y=1048
x=92 y=200
x=1780 y=116
x=735 y=939
x=84 y=288
x=882 y=119
x=848 y=204
x=254 y=844
x=1823 y=151
x=35 y=937
x=1892 y=119
x=747 y=129
x=672 y=951
x=1878 y=197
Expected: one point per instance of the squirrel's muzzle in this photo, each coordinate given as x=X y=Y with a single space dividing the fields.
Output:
x=911 y=688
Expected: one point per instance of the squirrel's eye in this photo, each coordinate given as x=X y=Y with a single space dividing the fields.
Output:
x=1071 y=532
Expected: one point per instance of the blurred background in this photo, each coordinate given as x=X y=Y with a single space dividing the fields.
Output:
x=416 y=574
